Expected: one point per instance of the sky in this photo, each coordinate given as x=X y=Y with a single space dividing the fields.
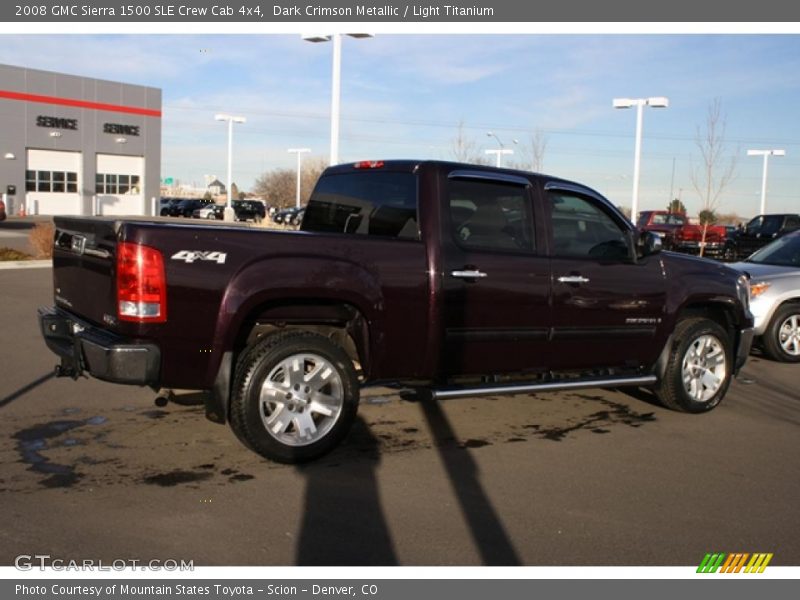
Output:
x=404 y=96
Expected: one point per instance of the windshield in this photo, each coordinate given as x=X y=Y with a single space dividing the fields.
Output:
x=784 y=252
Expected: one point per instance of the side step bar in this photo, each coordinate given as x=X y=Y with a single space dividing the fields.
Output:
x=550 y=386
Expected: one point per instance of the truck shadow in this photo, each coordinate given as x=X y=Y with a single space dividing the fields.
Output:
x=25 y=389
x=488 y=533
x=343 y=522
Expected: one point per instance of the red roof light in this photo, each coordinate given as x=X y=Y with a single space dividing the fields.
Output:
x=368 y=164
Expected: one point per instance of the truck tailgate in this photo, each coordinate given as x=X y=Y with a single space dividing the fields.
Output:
x=84 y=267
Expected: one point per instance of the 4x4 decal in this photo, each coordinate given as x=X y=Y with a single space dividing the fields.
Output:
x=189 y=256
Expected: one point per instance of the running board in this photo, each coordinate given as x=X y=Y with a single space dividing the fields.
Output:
x=550 y=386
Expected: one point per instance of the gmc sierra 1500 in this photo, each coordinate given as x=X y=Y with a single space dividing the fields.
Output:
x=457 y=278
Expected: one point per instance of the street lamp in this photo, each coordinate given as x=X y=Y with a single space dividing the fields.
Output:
x=501 y=151
x=230 y=214
x=336 y=83
x=766 y=154
x=639 y=103
x=299 y=152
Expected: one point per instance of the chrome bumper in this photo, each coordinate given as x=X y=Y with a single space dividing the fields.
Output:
x=104 y=355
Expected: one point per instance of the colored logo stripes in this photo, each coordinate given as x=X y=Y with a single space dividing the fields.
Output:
x=734 y=563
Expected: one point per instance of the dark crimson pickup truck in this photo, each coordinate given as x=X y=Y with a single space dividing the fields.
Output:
x=456 y=279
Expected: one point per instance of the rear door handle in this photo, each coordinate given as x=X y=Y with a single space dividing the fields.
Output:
x=573 y=279
x=469 y=274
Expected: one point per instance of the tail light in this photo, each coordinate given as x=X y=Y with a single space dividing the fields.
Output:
x=141 y=284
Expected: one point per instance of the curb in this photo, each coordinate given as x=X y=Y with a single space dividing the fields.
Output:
x=25 y=264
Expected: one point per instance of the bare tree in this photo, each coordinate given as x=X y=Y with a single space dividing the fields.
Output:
x=465 y=149
x=278 y=187
x=717 y=169
x=534 y=153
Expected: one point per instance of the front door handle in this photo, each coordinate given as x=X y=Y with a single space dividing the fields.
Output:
x=573 y=279
x=469 y=274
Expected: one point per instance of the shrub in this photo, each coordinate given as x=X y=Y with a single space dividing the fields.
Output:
x=11 y=254
x=41 y=238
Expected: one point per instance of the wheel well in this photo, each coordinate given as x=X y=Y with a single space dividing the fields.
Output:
x=789 y=301
x=718 y=313
x=342 y=323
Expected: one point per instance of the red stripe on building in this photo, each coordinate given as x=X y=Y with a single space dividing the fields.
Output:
x=132 y=110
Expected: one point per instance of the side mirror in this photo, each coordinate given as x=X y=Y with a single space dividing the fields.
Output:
x=649 y=243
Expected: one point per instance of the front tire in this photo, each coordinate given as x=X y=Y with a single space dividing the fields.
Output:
x=295 y=396
x=781 y=340
x=699 y=369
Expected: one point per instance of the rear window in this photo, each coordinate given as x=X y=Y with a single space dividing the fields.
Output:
x=365 y=203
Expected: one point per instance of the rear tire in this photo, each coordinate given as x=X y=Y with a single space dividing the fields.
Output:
x=699 y=369
x=781 y=340
x=295 y=396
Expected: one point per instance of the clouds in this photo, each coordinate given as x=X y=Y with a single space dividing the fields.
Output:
x=404 y=95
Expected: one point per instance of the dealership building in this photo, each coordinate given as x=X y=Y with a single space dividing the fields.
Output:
x=78 y=146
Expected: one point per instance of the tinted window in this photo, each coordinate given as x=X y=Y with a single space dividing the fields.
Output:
x=582 y=229
x=379 y=203
x=489 y=215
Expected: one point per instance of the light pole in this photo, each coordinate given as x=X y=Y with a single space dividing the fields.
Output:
x=230 y=214
x=501 y=151
x=299 y=152
x=639 y=103
x=336 y=84
x=766 y=154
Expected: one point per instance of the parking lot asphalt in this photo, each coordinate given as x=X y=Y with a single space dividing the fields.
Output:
x=90 y=470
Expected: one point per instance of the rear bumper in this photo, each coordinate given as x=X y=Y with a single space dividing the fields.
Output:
x=104 y=355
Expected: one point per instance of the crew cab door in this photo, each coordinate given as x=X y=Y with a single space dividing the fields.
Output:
x=607 y=305
x=496 y=285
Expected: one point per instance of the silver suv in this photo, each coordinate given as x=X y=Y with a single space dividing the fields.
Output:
x=775 y=296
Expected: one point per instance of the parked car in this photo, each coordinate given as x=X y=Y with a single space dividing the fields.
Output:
x=663 y=224
x=462 y=280
x=168 y=205
x=209 y=211
x=285 y=216
x=297 y=217
x=249 y=210
x=775 y=296
x=759 y=232
x=244 y=210
x=2 y=211
x=185 y=208
x=688 y=238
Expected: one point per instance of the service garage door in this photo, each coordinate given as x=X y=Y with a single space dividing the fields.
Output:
x=119 y=184
x=53 y=182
